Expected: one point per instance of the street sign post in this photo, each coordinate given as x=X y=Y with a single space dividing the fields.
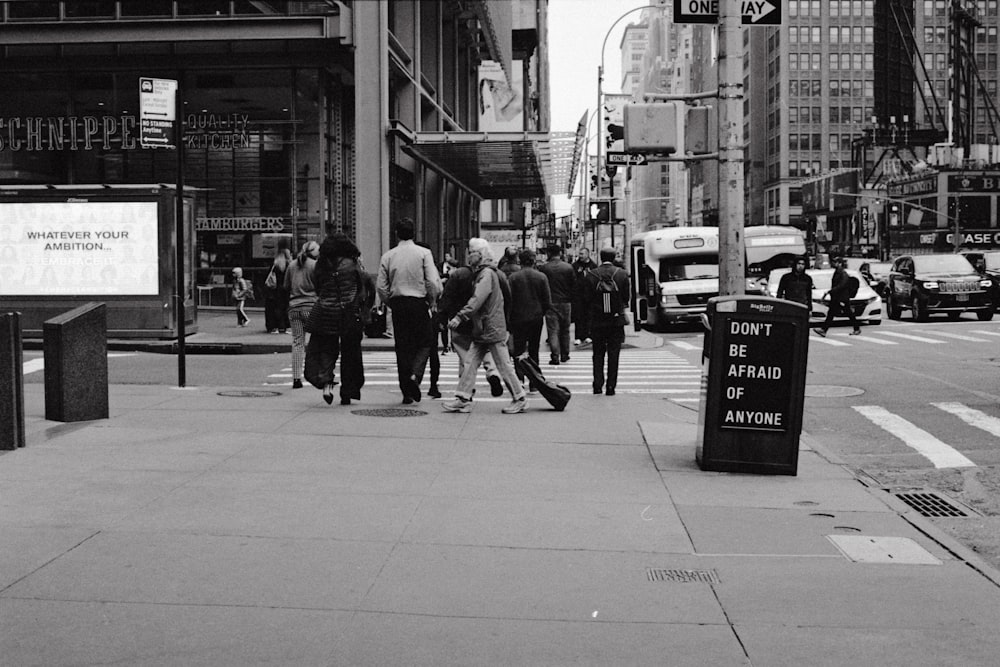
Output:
x=755 y=12
x=628 y=159
x=157 y=112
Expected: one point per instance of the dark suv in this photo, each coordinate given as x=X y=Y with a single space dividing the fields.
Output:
x=987 y=264
x=945 y=283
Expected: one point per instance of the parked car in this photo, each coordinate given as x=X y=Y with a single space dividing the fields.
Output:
x=939 y=283
x=866 y=304
x=987 y=264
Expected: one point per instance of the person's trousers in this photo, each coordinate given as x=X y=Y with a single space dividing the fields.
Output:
x=276 y=311
x=414 y=337
x=581 y=319
x=557 y=321
x=843 y=307
x=241 y=314
x=461 y=343
x=527 y=338
x=325 y=349
x=297 y=318
x=606 y=341
x=477 y=351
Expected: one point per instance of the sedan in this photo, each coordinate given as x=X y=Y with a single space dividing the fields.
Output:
x=866 y=304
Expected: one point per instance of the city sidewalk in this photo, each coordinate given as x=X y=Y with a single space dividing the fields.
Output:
x=222 y=526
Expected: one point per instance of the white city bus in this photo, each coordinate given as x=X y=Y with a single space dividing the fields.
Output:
x=675 y=270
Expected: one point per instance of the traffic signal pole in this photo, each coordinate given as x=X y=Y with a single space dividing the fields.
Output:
x=732 y=270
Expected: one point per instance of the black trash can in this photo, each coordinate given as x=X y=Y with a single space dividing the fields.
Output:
x=753 y=385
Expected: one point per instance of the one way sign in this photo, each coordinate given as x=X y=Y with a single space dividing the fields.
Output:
x=755 y=12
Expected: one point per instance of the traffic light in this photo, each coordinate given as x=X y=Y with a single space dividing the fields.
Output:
x=600 y=210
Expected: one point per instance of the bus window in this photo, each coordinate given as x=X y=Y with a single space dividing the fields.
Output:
x=689 y=268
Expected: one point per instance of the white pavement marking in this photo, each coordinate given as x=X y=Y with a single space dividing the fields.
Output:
x=919 y=339
x=971 y=339
x=685 y=346
x=867 y=338
x=35 y=365
x=988 y=333
x=939 y=453
x=972 y=417
x=827 y=341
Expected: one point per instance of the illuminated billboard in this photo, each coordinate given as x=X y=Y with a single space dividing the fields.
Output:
x=72 y=248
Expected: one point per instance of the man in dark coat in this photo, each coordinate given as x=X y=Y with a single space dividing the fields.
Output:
x=607 y=326
x=797 y=285
x=562 y=285
x=581 y=321
x=529 y=291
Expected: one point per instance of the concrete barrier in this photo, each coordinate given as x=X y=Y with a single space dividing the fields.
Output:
x=76 y=364
x=11 y=382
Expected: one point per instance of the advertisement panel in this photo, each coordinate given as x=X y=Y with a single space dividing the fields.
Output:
x=79 y=248
x=501 y=106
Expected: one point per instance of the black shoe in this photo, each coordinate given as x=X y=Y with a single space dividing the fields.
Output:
x=496 y=387
x=553 y=362
x=609 y=392
x=433 y=392
x=328 y=394
x=856 y=332
x=296 y=384
x=407 y=400
x=414 y=389
x=821 y=333
x=564 y=359
x=345 y=401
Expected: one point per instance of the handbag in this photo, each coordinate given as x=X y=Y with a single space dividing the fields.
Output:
x=271 y=281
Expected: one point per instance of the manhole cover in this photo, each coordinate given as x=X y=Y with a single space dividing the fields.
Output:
x=389 y=412
x=683 y=576
x=250 y=394
x=931 y=504
x=831 y=391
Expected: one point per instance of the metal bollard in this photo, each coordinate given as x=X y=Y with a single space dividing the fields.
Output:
x=11 y=382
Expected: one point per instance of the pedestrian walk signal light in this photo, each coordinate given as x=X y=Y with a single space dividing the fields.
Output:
x=894 y=215
x=600 y=211
x=615 y=133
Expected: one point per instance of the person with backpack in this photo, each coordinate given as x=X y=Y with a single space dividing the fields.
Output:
x=607 y=299
x=842 y=289
x=487 y=309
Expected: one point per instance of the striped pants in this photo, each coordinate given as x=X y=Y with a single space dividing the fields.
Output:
x=297 y=318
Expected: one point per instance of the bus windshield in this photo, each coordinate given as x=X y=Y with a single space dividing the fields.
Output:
x=689 y=268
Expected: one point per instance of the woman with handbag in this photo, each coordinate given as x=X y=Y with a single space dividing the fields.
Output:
x=301 y=297
x=335 y=321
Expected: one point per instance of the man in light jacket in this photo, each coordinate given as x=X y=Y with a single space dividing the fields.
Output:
x=486 y=310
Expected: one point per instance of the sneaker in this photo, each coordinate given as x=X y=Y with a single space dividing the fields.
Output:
x=576 y=341
x=458 y=405
x=516 y=406
x=856 y=332
x=434 y=392
x=587 y=341
x=553 y=362
x=821 y=333
x=496 y=387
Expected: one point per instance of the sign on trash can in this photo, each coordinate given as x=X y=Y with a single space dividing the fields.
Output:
x=753 y=385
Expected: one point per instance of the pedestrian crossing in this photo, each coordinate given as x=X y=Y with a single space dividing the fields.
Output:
x=652 y=371
x=882 y=336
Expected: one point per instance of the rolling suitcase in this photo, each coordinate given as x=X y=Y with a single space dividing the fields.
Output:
x=556 y=394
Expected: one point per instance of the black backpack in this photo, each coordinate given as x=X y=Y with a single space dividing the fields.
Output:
x=608 y=299
x=853 y=285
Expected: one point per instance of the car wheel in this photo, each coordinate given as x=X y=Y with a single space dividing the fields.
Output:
x=985 y=315
x=895 y=312
x=920 y=313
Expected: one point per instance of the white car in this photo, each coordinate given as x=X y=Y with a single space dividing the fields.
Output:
x=867 y=304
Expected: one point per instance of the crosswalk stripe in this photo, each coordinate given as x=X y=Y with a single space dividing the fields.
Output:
x=973 y=417
x=987 y=333
x=945 y=334
x=919 y=339
x=940 y=454
x=867 y=338
x=685 y=346
x=828 y=341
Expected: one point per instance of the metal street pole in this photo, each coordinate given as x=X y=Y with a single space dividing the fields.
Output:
x=732 y=270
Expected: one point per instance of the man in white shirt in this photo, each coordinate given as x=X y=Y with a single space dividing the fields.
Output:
x=408 y=281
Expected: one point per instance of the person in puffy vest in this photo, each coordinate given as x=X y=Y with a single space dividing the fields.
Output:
x=607 y=299
x=840 y=293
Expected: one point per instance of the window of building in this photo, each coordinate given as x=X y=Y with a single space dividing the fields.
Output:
x=834 y=62
x=814 y=59
x=834 y=115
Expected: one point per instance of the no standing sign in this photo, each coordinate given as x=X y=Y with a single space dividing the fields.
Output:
x=157 y=112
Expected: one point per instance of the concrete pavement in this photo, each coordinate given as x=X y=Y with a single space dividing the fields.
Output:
x=227 y=526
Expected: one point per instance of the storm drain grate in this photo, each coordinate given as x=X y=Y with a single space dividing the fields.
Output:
x=683 y=576
x=931 y=504
x=250 y=394
x=389 y=412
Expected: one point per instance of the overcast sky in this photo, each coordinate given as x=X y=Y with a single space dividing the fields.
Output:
x=576 y=30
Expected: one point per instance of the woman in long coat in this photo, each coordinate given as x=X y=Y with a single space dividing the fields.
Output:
x=343 y=292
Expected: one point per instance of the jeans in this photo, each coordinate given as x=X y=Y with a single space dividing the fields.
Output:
x=477 y=351
x=461 y=344
x=557 y=323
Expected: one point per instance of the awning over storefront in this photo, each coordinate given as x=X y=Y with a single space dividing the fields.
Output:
x=490 y=165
